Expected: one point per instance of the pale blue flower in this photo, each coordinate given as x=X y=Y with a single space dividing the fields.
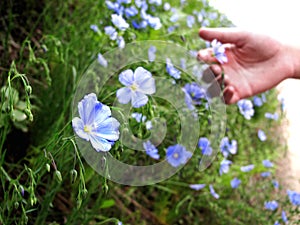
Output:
x=224 y=167
x=119 y=22
x=101 y=60
x=204 y=145
x=197 y=187
x=156 y=2
x=174 y=17
x=219 y=51
x=151 y=53
x=138 y=85
x=139 y=25
x=261 y=135
x=276 y=223
x=177 y=155
x=121 y=42
x=265 y=174
x=190 y=21
x=167 y=6
x=212 y=191
x=172 y=28
x=111 y=32
x=275 y=183
x=271 y=205
x=271 y=116
x=257 y=101
x=247 y=168
x=148 y=125
x=235 y=182
x=267 y=163
x=96 y=124
x=188 y=99
x=246 y=108
x=171 y=70
x=228 y=147
x=139 y=117
x=294 y=197
x=95 y=28
x=131 y=11
x=154 y=22
x=151 y=150
x=284 y=217
x=196 y=92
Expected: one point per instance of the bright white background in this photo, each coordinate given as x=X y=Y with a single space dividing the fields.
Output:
x=281 y=20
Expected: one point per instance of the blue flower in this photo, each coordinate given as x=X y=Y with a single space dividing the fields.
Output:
x=167 y=6
x=267 y=163
x=111 y=32
x=212 y=191
x=120 y=42
x=131 y=11
x=257 y=101
x=235 y=182
x=261 y=135
x=96 y=124
x=177 y=155
x=219 y=51
x=94 y=28
x=102 y=61
x=140 y=25
x=276 y=223
x=275 y=183
x=247 y=168
x=197 y=187
x=156 y=2
x=119 y=22
x=174 y=17
x=204 y=145
x=246 y=108
x=224 y=167
x=294 y=197
x=265 y=174
x=228 y=147
x=190 y=21
x=272 y=205
x=151 y=53
x=183 y=63
x=154 y=22
x=138 y=85
x=171 y=70
x=284 y=217
x=271 y=116
x=151 y=150
x=139 y=117
x=149 y=125
x=196 y=92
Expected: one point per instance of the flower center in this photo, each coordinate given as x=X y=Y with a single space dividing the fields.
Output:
x=87 y=129
x=176 y=155
x=134 y=87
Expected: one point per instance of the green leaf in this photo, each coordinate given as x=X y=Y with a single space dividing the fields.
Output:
x=107 y=203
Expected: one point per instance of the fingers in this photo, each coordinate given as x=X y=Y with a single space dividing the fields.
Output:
x=225 y=35
x=206 y=55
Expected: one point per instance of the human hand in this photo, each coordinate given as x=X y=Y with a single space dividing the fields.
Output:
x=256 y=62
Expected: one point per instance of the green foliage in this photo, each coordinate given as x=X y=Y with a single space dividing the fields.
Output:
x=45 y=181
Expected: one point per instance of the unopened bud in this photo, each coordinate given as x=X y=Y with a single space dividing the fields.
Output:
x=73 y=175
x=58 y=176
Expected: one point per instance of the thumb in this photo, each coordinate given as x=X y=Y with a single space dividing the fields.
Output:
x=224 y=35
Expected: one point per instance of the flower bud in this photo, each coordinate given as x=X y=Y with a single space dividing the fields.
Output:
x=58 y=176
x=73 y=175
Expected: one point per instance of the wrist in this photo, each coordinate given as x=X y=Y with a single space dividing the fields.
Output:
x=293 y=54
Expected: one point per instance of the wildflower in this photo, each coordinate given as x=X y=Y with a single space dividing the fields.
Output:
x=197 y=187
x=212 y=191
x=275 y=183
x=120 y=42
x=246 y=108
x=138 y=85
x=294 y=197
x=276 y=223
x=224 y=167
x=119 y=22
x=139 y=117
x=261 y=135
x=257 y=101
x=284 y=217
x=183 y=63
x=140 y=25
x=96 y=124
x=151 y=53
x=151 y=150
x=111 y=32
x=188 y=100
x=267 y=163
x=167 y=6
x=247 y=168
x=101 y=60
x=219 y=51
x=282 y=102
x=172 y=71
x=149 y=125
x=235 y=182
x=94 y=28
x=196 y=92
x=156 y=2
x=271 y=116
x=228 y=147
x=265 y=174
x=174 y=17
x=190 y=21
x=171 y=29
x=131 y=11
x=177 y=154
x=272 y=205
x=204 y=145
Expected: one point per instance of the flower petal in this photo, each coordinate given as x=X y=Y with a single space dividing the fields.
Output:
x=101 y=113
x=86 y=107
x=140 y=74
x=78 y=127
x=147 y=86
x=100 y=144
x=126 y=77
x=138 y=99
x=124 y=95
x=108 y=129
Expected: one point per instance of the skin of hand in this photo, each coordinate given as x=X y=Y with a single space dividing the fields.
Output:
x=256 y=62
